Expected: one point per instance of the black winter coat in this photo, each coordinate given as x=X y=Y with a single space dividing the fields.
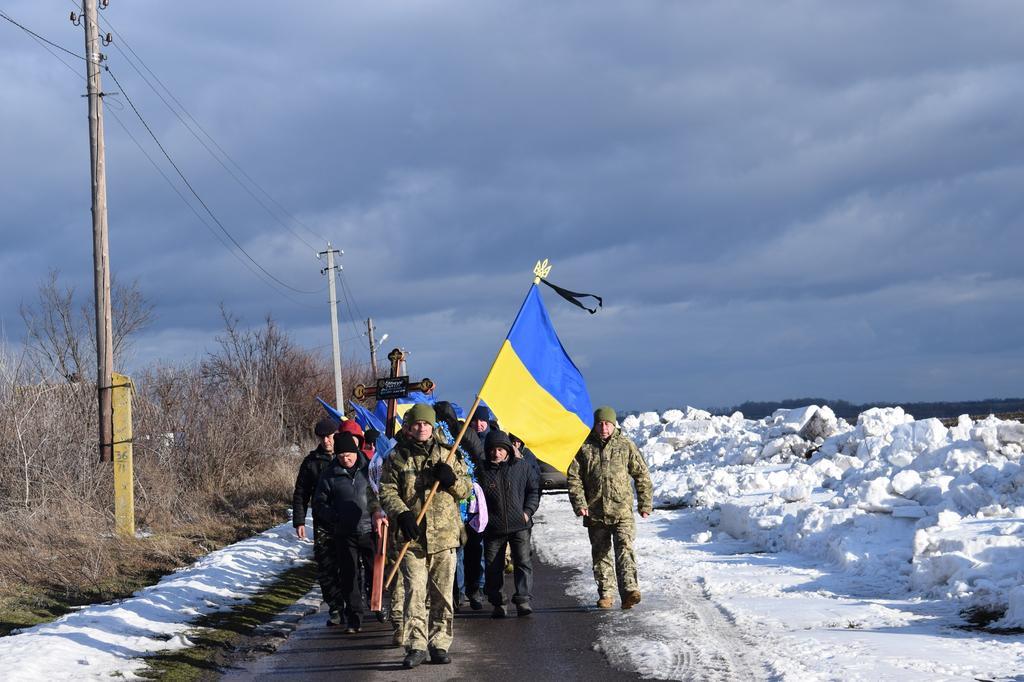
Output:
x=510 y=488
x=344 y=499
x=305 y=483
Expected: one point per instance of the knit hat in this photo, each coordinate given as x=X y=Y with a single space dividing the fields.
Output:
x=325 y=427
x=482 y=414
x=605 y=414
x=496 y=438
x=351 y=426
x=347 y=442
x=445 y=412
x=420 y=412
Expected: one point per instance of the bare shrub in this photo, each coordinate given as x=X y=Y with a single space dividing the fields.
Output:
x=216 y=448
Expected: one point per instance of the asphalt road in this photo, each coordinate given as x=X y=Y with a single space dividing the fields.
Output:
x=556 y=642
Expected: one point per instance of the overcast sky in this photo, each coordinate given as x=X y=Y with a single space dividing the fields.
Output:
x=775 y=199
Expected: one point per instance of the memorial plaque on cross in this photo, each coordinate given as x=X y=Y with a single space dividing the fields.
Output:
x=391 y=388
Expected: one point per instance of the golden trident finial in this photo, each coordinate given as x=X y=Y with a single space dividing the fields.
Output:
x=541 y=270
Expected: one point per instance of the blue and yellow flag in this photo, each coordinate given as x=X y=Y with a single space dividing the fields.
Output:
x=536 y=391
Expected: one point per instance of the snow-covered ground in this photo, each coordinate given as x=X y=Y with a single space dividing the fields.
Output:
x=809 y=548
x=109 y=640
x=798 y=547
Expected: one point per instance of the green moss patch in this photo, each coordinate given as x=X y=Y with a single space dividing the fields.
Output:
x=223 y=637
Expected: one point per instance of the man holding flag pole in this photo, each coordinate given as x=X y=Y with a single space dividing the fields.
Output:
x=536 y=391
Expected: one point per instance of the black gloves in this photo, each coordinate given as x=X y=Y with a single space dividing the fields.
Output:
x=445 y=475
x=407 y=524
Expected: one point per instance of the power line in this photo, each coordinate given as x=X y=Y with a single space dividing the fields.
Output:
x=196 y=194
x=213 y=141
x=45 y=44
x=348 y=305
x=39 y=37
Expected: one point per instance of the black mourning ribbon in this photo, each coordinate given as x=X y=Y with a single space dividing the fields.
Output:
x=575 y=296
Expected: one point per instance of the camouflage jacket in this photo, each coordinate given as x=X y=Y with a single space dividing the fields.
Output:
x=599 y=479
x=405 y=482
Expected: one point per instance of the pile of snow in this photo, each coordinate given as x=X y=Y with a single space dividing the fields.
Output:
x=924 y=508
x=108 y=640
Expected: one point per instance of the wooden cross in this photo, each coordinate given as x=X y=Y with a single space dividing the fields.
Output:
x=391 y=388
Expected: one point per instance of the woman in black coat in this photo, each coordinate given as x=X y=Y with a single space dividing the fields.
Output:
x=344 y=501
x=512 y=490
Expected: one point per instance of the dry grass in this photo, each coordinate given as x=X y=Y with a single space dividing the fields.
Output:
x=216 y=448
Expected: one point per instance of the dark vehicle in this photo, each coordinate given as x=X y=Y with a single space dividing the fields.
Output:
x=551 y=478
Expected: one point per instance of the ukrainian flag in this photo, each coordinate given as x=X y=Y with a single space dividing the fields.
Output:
x=536 y=391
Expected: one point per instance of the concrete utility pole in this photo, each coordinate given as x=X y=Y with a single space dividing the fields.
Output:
x=100 y=246
x=339 y=394
x=373 y=347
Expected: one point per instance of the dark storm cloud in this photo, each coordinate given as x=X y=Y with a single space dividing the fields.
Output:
x=775 y=199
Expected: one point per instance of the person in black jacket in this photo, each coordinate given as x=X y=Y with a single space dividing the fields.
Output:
x=512 y=490
x=305 y=484
x=346 y=504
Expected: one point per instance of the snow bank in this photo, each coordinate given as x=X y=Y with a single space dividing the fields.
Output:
x=924 y=508
x=107 y=640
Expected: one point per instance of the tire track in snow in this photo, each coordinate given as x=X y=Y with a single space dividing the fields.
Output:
x=696 y=640
x=677 y=632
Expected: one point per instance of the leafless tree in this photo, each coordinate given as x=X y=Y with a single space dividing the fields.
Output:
x=61 y=337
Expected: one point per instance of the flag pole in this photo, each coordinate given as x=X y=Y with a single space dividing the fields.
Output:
x=540 y=270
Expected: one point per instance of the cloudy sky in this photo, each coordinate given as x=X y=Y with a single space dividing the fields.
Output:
x=775 y=199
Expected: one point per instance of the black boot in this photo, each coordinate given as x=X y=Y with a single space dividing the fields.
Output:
x=524 y=609
x=439 y=656
x=414 y=658
x=498 y=612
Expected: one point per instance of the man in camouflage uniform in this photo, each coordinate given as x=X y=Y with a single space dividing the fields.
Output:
x=600 y=492
x=428 y=569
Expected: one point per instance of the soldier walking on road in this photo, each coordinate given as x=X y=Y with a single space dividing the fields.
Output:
x=305 y=485
x=600 y=492
x=428 y=569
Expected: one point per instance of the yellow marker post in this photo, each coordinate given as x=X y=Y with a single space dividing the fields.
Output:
x=124 y=477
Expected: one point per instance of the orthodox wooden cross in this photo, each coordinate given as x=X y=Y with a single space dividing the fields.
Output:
x=391 y=388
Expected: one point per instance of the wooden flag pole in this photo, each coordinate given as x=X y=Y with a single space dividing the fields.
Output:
x=433 y=491
x=540 y=270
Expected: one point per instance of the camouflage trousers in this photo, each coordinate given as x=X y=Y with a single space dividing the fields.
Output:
x=619 y=576
x=326 y=564
x=429 y=613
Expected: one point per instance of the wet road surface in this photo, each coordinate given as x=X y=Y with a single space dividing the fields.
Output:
x=556 y=642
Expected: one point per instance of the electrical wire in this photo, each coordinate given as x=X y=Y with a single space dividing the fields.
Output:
x=39 y=37
x=198 y=126
x=196 y=194
x=46 y=44
x=348 y=305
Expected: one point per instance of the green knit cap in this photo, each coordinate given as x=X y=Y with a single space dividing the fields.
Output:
x=605 y=414
x=420 y=412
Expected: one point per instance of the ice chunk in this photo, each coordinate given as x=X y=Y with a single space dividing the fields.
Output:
x=819 y=425
x=1010 y=432
x=909 y=512
x=906 y=482
x=879 y=421
x=948 y=519
x=1014 y=616
x=795 y=493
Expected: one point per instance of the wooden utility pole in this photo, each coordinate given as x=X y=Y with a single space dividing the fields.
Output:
x=339 y=394
x=100 y=245
x=373 y=347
